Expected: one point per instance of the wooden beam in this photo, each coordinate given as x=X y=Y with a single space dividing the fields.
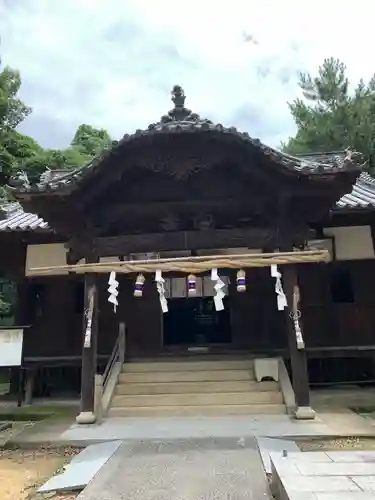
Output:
x=107 y=216
x=190 y=240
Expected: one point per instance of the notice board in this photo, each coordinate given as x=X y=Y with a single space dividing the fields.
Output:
x=11 y=341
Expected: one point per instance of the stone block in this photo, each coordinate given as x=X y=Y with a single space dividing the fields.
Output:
x=336 y=469
x=269 y=445
x=85 y=418
x=304 y=413
x=353 y=495
x=266 y=368
x=82 y=468
x=310 y=457
x=301 y=495
x=352 y=456
x=366 y=483
x=318 y=484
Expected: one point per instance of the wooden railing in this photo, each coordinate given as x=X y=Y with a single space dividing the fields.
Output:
x=106 y=383
x=117 y=356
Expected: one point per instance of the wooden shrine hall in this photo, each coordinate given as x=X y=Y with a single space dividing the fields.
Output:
x=185 y=240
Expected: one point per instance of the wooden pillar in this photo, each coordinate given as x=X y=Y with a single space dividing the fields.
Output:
x=29 y=387
x=89 y=349
x=298 y=360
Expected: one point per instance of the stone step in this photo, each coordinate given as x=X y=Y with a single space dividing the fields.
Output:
x=194 y=399
x=184 y=366
x=186 y=411
x=191 y=387
x=187 y=376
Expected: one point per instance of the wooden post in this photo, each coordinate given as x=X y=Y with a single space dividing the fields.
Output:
x=29 y=388
x=300 y=377
x=89 y=350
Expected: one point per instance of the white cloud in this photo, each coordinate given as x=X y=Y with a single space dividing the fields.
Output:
x=111 y=63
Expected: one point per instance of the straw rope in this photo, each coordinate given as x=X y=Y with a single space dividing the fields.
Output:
x=194 y=265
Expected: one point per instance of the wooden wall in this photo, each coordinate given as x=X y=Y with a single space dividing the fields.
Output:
x=256 y=322
x=257 y=325
x=55 y=309
x=329 y=322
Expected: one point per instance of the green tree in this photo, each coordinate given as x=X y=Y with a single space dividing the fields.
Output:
x=90 y=141
x=12 y=110
x=53 y=159
x=86 y=143
x=20 y=152
x=329 y=117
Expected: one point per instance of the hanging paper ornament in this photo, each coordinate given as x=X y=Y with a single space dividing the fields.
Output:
x=218 y=287
x=192 y=285
x=138 y=287
x=281 y=298
x=89 y=314
x=295 y=315
x=241 y=281
x=112 y=289
x=161 y=290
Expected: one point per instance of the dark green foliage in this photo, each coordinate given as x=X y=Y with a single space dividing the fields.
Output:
x=330 y=117
x=20 y=152
x=90 y=141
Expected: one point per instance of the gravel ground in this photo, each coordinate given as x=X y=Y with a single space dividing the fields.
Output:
x=345 y=444
x=23 y=471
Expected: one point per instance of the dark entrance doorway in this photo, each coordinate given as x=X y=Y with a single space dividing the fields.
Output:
x=195 y=322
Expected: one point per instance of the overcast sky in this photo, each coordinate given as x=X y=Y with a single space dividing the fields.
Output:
x=112 y=63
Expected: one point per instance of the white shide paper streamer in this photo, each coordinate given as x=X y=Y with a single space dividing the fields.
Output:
x=295 y=316
x=89 y=314
x=161 y=290
x=218 y=287
x=112 y=289
x=281 y=298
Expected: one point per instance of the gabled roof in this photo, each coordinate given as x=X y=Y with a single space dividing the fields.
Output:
x=181 y=120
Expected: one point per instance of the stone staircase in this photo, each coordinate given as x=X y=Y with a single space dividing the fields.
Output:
x=193 y=388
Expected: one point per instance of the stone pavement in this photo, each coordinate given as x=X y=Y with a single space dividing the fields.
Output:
x=344 y=423
x=324 y=475
x=136 y=429
x=194 y=470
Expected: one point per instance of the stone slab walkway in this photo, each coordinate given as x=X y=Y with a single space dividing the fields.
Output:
x=195 y=470
x=138 y=429
x=327 y=424
x=199 y=427
x=324 y=475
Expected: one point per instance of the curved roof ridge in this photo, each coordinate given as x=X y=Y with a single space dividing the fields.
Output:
x=182 y=120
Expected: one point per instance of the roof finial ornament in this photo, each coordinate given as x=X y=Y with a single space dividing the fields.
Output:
x=179 y=113
x=178 y=97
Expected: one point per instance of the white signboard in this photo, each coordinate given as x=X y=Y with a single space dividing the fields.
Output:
x=11 y=347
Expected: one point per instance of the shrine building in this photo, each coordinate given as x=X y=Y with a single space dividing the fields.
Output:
x=197 y=270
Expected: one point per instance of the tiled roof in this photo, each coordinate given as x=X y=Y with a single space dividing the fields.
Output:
x=363 y=194
x=181 y=120
x=15 y=219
